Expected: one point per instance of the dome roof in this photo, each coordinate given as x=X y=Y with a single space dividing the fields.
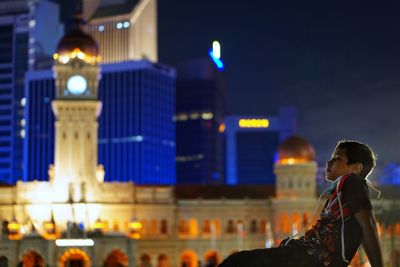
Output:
x=77 y=39
x=296 y=148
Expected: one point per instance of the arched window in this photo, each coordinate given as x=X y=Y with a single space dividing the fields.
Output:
x=145 y=260
x=189 y=259
x=164 y=227
x=3 y=261
x=193 y=228
x=286 y=227
x=253 y=226
x=183 y=227
x=162 y=261
x=206 y=227
x=33 y=259
x=230 y=228
x=263 y=226
x=154 y=227
x=116 y=258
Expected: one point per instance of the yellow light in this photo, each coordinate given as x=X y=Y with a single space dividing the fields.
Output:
x=55 y=56
x=63 y=59
x=99 y=225
x=81 y=55
x=135 y=225
x=13 y=227
x=207 y=116
x=216 y=49
x=253 y=123
x=134 y=228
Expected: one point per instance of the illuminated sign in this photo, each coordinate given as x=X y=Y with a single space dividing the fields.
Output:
x=253 y=123
x=216 y=49
x=74 y=242
x=215 y=54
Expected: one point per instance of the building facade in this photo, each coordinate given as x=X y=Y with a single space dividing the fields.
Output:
x=251 y=145
x=25 y=44
x=199 y=114
x=136 y=130
x=125 y=30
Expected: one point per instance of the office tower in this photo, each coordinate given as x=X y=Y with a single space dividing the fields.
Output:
x=25 y=44
x=136 y=130
x=199 y=113
x=124 y=30
x=252 y=146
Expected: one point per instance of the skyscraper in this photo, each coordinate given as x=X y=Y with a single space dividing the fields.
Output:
x=136 y=133
x=252 y=146
x=199 y=113
x=124 y=30
x=25 y=44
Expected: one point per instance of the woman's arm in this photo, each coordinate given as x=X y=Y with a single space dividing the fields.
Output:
x=372 y=246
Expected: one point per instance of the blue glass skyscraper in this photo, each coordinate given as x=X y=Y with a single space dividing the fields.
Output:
x=136 y=128
x=24 y=44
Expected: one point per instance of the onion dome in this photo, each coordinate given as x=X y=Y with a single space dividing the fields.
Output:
x=77 y=44
x=296 y=149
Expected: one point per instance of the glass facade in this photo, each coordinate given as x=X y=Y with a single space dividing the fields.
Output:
x=136 y=130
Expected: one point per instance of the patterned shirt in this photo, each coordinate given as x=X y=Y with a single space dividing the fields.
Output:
x=323 y=240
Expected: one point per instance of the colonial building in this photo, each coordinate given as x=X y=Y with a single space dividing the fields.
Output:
x=78 y=220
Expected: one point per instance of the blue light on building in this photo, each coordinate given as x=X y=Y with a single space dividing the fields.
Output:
x=24 y=45
x=136 y=128
x=218 y=62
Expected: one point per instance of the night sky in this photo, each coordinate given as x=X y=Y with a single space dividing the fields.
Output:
x=337 y=63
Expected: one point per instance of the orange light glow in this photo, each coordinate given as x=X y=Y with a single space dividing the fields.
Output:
x=291 y=161
x=221 y=128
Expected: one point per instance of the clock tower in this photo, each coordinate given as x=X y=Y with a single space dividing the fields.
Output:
x=76 y=108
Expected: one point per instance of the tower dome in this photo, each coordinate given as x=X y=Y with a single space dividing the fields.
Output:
x=77 y=44
x=296 y=149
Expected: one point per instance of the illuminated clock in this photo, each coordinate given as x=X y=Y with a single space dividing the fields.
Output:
x=76 y=84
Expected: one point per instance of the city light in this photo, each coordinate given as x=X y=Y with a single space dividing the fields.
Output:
x=253 y=123
x=215 y=54
x=126 y=24
x=217 y=61
x=74 y=243
x=216 y=49
x=101 y=28
x=119 y=25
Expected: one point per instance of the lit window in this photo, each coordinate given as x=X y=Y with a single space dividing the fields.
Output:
x=32 y=23
x=101 y=28
x=182 y=117
x=126 y=24
x=194 y=115
x=207 y=116
x=23 y=101
x=22 y=133
x=119 y=25
x=23 y=122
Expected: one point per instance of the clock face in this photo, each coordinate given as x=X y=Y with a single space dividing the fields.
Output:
x=76 y=84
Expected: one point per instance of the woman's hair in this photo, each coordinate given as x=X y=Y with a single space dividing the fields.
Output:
x=357 y=152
